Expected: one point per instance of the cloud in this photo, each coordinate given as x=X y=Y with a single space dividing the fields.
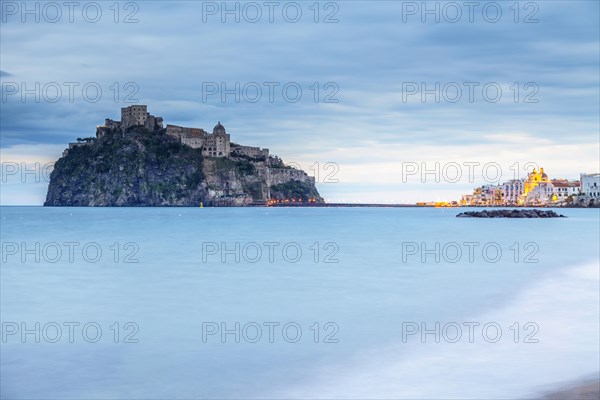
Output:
x=166 y=59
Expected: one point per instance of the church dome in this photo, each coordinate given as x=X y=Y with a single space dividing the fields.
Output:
x=219 y=129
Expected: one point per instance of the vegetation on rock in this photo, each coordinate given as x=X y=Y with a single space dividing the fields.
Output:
x=293 y=189
x=143 y=168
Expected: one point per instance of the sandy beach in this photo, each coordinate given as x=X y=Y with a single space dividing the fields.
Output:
x=589 y=390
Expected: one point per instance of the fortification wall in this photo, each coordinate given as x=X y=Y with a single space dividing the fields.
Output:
x=251 y=151
x=283 y=175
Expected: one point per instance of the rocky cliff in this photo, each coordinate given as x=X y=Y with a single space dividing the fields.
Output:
x=142 y=168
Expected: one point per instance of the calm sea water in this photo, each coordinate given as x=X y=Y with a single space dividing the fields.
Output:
x=325 y=300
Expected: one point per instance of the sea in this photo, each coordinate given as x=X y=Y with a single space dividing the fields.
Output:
x=298 y=303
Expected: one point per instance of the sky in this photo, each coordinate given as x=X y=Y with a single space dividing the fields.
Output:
x=381 y=101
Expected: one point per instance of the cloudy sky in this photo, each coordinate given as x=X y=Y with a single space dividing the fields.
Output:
x=371 y=97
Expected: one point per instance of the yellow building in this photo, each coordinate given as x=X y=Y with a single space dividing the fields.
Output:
x=534 y=180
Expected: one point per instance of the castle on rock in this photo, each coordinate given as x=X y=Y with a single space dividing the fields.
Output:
x=215 y=144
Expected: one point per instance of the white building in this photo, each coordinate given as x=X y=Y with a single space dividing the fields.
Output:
x=512 y=191
x=562 y=189
x=541 y=194
x=590 y=185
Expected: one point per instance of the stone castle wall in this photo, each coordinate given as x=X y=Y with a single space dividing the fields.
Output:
x=215 y=144
x=283 y=175
x=139 y=115
x=133 y=115
x=250 y=151
x=212 y=145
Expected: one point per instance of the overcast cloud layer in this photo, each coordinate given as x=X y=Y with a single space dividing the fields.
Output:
x=363 y=117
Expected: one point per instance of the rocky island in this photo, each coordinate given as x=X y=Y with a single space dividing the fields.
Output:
x=534 y=213
x=138 y=162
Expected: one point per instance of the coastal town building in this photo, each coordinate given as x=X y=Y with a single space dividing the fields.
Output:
x=484 y=195
x=512 y=191
x=491 y=194
x=466 y=200
x=562 y=189
x=534 y=180
x=590 y=185
x=540 y=194
x=537 y=189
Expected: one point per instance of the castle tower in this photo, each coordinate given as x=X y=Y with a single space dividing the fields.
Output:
x=218 y=143
x=219 y=129
x=134 y=115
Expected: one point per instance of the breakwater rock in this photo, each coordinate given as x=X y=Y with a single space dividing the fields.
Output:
x=531 y=213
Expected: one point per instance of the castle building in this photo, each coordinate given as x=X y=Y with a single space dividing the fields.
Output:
x=193 y=137
x=136 y=115
x=139 y=115
x=218 y=144
x=215 y=144
x=75 y=144
x=249 y=151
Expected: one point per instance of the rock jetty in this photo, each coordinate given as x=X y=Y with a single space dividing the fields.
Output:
x=531 y=213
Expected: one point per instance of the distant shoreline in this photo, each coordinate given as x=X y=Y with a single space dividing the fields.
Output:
x=306 y=205
x=367 y=205
x=335 y=205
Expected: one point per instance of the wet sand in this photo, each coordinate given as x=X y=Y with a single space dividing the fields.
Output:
x=589 y=390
